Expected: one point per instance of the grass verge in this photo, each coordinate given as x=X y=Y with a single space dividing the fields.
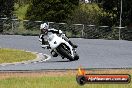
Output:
x=55 y=79
x=12 y=55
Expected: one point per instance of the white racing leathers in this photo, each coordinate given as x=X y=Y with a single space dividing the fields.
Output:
x=59 y=46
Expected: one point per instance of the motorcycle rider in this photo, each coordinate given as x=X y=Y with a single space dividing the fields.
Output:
x=44 y=34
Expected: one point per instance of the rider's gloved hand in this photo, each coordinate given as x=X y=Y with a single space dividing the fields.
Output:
x=60 y=32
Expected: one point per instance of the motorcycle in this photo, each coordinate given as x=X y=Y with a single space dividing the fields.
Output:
x=59 y=46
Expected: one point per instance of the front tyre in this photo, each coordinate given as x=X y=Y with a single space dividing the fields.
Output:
x=65 y=52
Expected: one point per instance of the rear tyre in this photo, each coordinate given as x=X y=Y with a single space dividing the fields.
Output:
x=76 y=57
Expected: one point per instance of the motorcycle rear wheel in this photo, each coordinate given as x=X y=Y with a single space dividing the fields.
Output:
x=76 y=57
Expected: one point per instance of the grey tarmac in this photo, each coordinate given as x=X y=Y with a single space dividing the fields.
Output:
x=94 y=53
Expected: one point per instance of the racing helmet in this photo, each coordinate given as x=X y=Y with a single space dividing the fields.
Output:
x=44 y=26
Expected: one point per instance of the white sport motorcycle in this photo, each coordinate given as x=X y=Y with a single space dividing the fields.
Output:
x=58 y=46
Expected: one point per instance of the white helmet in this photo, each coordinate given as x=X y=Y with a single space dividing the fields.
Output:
x=44 y=26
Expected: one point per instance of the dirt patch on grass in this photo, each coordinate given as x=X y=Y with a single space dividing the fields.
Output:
x=5 y=75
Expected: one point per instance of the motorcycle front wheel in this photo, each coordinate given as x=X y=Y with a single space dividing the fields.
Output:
x=65 y=52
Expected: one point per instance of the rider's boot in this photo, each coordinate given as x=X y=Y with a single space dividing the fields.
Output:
x=75 y=46
x=63 y=57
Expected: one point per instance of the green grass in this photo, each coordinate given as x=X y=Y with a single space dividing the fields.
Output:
x=12 y=55
x=52 y=82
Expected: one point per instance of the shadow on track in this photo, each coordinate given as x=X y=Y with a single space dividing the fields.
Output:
x=56 y=61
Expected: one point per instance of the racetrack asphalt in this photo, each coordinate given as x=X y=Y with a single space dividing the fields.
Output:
x=94 y=53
